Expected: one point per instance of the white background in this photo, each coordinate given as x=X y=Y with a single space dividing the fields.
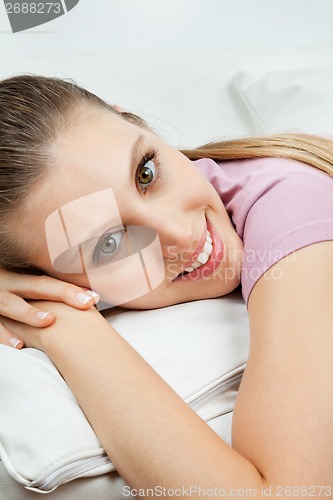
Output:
x=173 y=61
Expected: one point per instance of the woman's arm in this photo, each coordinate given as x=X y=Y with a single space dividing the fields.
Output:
x=282 y=431
x=283 y=420
x=152 y=437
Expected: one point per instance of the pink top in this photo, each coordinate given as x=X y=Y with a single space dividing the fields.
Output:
x=277 y=206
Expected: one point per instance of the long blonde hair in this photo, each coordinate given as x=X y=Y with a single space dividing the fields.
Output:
x=310 y=149
x=35 y=109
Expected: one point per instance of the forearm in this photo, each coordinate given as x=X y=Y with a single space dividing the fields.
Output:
x=152 y=437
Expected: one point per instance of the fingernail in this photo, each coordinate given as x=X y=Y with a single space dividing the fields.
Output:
x=83 y=298
x=94 y=295
x=14 y=342
x=42 y=315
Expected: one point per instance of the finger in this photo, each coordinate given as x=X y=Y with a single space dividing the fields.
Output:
x=48 y=288
x=14 y=307
x=7 y=338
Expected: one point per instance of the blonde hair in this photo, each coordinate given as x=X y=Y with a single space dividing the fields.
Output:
x=34 y=110
x=309 y=149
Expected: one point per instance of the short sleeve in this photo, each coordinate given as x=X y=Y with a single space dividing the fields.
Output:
x=295 y=211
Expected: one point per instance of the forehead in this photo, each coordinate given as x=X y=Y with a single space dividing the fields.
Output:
x=94 y=154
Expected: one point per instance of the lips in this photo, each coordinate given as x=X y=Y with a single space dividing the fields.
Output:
x=214 y=259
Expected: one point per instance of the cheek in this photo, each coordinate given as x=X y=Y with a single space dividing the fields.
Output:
x=207 y=195
x=192 y=185
x=75 y=279
x=45 y=264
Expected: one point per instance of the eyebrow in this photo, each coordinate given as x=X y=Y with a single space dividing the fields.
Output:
x=135 y=155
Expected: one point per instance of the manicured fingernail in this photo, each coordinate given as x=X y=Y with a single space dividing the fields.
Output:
x=83 y=298
x=42 y=315
x=14 y=342
x=94 y=295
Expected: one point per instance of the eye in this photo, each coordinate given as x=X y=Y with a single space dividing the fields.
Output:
x=146 y=173
x=108 y=246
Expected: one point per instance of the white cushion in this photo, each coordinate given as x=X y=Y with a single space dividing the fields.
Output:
x=297 y=100
x=199 y=348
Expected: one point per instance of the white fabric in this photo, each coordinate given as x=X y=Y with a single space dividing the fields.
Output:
x=199 y=348
x=299 y=100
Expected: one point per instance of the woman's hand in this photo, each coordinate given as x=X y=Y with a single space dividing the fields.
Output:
x=67 y=320
x=15 y=287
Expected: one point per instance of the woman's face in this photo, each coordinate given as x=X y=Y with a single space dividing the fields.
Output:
x=112 y=190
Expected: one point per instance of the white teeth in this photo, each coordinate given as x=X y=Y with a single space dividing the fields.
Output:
x=203 y=257
x=207 y=248
x=205 y=254
x=189 y=269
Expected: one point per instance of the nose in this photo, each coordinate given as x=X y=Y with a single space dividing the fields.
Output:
x=175 y=234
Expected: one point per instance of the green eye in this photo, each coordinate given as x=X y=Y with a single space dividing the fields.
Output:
x=109 y=246
x=145 y=173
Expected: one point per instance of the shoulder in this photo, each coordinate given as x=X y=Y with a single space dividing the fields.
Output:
x=244 y=184
x=290 y=213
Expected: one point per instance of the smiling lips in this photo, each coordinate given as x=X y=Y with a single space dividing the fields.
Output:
x=206 y=258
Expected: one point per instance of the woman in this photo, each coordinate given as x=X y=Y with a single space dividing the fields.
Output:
x=266 y=224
